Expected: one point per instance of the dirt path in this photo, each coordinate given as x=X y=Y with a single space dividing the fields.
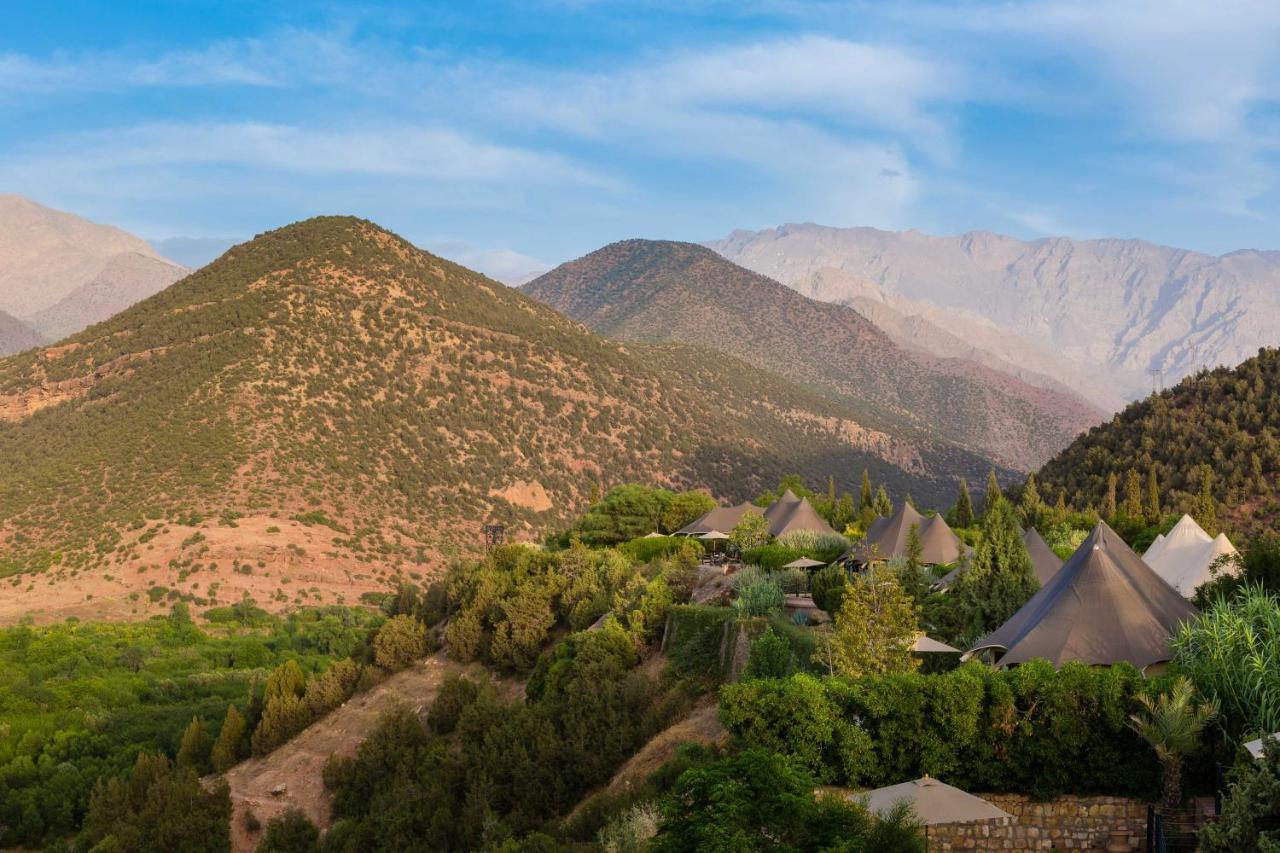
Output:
x=296 y=767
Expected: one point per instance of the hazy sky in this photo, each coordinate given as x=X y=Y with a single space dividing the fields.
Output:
x=515 y=135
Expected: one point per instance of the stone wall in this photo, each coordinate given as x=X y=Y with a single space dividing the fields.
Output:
x=1067 y=823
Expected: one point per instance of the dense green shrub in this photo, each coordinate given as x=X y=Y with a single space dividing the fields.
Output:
x=1251 y=808
x=1031 y=729
x=694 y=635
x=645 y=549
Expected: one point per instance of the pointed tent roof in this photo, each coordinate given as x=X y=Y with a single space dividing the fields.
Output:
x=1102 y=607
x=1183 y=558
x=933 y=802
x=799 y=515
x=722 y=518
x=888 y=538
x=1045 y=562
x=781 y=506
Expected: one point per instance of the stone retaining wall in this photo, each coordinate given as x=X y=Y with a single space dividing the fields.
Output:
x=1067 y=823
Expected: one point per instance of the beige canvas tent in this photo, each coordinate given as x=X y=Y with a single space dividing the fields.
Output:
x=798 y=515
x=1102 y=607
x=886 y=539
x=785 y=515
x=1184 y=557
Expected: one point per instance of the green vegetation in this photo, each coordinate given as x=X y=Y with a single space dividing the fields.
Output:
x=1172 y=723
x=1251 y=808
x=83 y=701
x=1210 y=443
x=874 y=628
x=1031 y=729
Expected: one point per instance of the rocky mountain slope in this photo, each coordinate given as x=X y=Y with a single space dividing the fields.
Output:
x=15 y=335
x=60 y=273
x=1100 y=316
x=643 y=290
x=326 y=405
x=1227 y=419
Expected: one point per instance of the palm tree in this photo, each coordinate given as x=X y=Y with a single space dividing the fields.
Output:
x=1172 y=724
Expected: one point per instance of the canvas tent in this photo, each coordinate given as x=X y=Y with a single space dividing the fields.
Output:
x=887 y=538
x=1045 y=562
x=1183 y=557
x=723 y=518
x=1102 y=607
x=785 y=515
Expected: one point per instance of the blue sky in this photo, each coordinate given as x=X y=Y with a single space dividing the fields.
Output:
x=511 y=136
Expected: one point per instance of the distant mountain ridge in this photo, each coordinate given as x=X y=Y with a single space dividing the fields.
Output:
x=60 y=273
x=16 y=336
x=1105 y=317
x=647 y=290
x=331 y=372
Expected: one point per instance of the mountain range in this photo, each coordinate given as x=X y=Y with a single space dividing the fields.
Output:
x=1106 y=318
x=643 y=290
x=60 y=273
x=329 y=380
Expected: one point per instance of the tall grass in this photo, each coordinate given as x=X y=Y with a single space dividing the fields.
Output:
x=1232 y=653
x=812 y=540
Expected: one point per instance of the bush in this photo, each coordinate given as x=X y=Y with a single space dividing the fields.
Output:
x=291 y=832
x=455 y=694
x=829 y=586
x=763 y=597
x=811 y=541
x=771 y=557
x=644 y=550
x=1030 y=730
x=770 y=657
x=694 y=635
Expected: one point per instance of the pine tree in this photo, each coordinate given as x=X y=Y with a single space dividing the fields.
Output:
x=883 y=506
x=993 y=495
x=1108 y=510
x=194 y=749
x=1133 y=494
x=1206 y=508
x=1060 y=508
x=964 y=506
x=1030 y=504
x=227 y=749
x=1154 y=513
x=914 y=550
x=867 y=499
x=1001 y=577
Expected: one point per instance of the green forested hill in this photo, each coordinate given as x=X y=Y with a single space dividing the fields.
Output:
x=332 y=371
x=659 y=290
x=1225 y=421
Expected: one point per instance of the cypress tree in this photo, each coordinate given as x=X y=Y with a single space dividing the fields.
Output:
x=993 y=495
x=1108 y=510
x=194 y=749
x=1133 y=494
x=1154 y=512
x=964 y=506
x=867 y=499
x=914 y=549
x=1001 y=577
x=1030 y=503
x=831 y=490
x=1206 y=513
x=883 y=506
x=227 y=749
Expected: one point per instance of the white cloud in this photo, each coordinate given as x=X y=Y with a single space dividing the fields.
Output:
x=505 y=265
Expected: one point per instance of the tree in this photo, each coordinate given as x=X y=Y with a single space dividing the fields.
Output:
x=758 y=800
x=1000 y=579
x=228 y=748
x=1206 y=508
x=291 y=832
x=883 y=506
x=194 y=749
x=914 y=550
x=1133 y=495
x=400 y=641
x=866 y=501
x=624 y=513
x=1172 y=724
x=875 y=627
x=1108 y=510
x=963 y=515
x=831 y=490
x=158 y=808
x=1154 y=511
x=684 y=508
x=993 y=492
x=844 y=513
x=1250 y=817
x=770 y=656
x=1030 y=504
x=751 y=532
x=828 y=588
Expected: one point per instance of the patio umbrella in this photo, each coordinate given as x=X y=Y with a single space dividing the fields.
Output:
x=929 y=645
x=804 y=563
x=714 y=536
x=933 y=802
x=654 y=535
x=1255 y=746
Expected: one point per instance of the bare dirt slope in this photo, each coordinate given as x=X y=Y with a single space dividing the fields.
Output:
x=295 y=768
